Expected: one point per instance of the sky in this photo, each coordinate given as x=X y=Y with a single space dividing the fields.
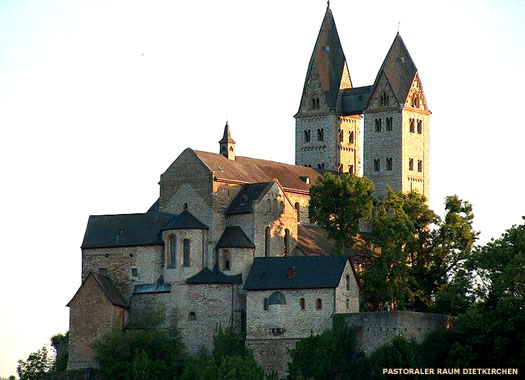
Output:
x=97 y=98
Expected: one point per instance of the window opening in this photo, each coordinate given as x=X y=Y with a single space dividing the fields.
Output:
x=318 y=304
x=186 y=253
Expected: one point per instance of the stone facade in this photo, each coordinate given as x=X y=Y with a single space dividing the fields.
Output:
x=378 y=328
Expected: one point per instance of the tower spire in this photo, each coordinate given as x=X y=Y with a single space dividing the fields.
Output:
x=227 y=144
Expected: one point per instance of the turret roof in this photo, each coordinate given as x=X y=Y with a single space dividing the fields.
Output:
x=226 y=138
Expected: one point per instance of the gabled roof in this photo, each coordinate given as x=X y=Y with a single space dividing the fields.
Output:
x=355 y=100
x=329 y=60
x=242 y=203
x=252 y=170
x=215 y=276
x=226 y=138
x=158 y=287
x=185 y=221
x=312 y=272
x=399 y=69
x=125 y=230
x=234 y=237
x=107 y=287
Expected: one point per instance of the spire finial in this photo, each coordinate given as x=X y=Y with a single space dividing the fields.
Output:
x=398 y=23
x=328 y=4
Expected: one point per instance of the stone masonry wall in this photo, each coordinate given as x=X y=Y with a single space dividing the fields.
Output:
x=347 y=295
x=378 y=328
x=119 y=263
x=91 y=315
x=304 y=201
x=272 y=355
x=316 y=152
x=177 y=272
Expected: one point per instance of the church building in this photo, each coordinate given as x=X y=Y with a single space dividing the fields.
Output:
x=229 y=240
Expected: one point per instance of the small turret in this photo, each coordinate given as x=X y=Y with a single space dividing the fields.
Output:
x=227 y=145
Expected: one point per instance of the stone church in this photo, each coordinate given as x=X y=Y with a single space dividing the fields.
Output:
x=229 y=241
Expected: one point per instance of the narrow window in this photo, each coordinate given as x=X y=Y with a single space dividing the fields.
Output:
x=318 y=304
x=298 y=211
x=192 y=316
x=347 y=282
x=185 y=206
x=341 y=135
x=410 y=164
x=313 y=103
x=351 y=169
x=419 y=166
x=347 y=304
x=419 y=127
x=389 y=164
x=415 y=101
x=265 y=304
x=307 y=135
x=320 y=134
x=412 y=128
x=267 y=242
x=340 y=168
x=351 y=137
x=134 y=272
x=377 y=165
x=186 y=253
x=226 y=255
x=302 y=304
x=378 y=125
x=317 y=103
x=322 y=166
x=389 y=123
x=286 y=242
x=173 y=252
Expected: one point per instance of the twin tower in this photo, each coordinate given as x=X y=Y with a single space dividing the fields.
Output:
x=392 y=113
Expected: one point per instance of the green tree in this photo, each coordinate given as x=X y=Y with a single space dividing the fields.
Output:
x=227 y=343
x=60 y=343
x=421 y=256
x=239 y=368
x=338 y=203
x=328 y=355
x=400 y=353
x=36 y=366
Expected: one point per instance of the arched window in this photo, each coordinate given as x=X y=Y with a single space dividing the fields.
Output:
x=313 y=103
x=341 y=135
x=298 y=211
x=173 y=252
x=415 y=101
x=186 y=253
x=267 y=242
x=185 y=207
x=226 y=260
x=377 y=165
x=351 y=169
x=265 y=304
x=192 y=316
x=340 y=169
x=302 y=303
x=307 y=135
x=317 y=103
x=412 y=127
x=351 y=137
x=410 y=164
x=318 y=304
x=347 y=303
x=347 y=282
x=320 y=134
x=286 y=241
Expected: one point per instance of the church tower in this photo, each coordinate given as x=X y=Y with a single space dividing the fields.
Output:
x=396 y=126
x=227 y=145
x=327 y=135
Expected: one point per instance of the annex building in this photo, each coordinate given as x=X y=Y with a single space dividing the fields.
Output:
x=229 y=241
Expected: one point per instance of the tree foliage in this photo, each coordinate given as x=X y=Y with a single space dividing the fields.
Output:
x=420 y=266
x=338 y=203
x=36 y=366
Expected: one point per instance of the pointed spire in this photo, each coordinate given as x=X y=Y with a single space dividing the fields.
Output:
x=399 y=69
x=227 y=145
x=226 y=138
x=328 y=61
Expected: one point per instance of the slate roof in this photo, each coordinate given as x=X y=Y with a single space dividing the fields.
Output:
x=185 y=221
x=242 y=203
x=253 y=170
x=226 y=138
x=215 y=276
x=399 y=69
x=125 y=230
x=355 y=100
x=311 y=272
x=107 y=287
x=234 y=237
x=131 y=230
x=158 y=287
x=329 y=59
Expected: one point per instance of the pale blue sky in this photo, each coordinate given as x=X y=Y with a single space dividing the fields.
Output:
x=97 y=98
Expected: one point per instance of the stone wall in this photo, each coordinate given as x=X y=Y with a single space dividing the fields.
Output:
x=272 y=355
x=315 y=152
x=91 y=315
x=347 y=292
x=119 y=262
x=378 y=328
x=177 y=272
